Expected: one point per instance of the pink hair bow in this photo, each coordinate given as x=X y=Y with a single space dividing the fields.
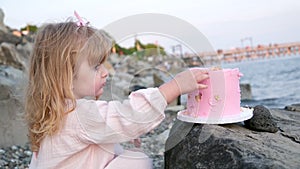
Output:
x=80 y=20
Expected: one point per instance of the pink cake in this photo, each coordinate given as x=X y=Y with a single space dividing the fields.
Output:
x=220 y=102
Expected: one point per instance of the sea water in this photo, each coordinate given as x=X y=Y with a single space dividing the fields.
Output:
x=275 y=82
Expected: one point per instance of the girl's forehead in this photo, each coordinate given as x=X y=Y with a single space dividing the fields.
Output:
x=89 y=61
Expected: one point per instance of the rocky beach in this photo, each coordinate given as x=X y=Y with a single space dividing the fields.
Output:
x=271 y=139
x=261 y=149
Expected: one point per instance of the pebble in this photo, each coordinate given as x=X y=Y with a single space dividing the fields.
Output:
x=15 y=157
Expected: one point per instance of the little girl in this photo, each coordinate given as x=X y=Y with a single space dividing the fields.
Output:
x=68 y=131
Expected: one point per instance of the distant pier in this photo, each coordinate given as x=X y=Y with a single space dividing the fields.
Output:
x=241 y=54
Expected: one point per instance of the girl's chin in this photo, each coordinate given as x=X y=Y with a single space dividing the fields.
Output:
x=99 y=92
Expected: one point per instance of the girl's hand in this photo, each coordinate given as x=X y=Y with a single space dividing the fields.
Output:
x=184 y=82
x=190 y=80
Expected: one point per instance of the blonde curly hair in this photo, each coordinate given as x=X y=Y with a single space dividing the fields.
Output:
x=58 y=50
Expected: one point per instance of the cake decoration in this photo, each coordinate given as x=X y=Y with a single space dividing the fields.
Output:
x=198 y=97
x=217 y=97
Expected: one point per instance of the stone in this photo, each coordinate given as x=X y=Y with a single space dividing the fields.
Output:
x=10 y=56
x=232 y=146
x=262 y=120
x=136 y=87
x=9 y=38
x=24 y=51
x=293 y=107
x=246 y=91
x=2 y=25
x=13 y=129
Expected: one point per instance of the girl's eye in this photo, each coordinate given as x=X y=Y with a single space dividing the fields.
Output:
x=97 y=67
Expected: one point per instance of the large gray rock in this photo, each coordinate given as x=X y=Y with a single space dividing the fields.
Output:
x=234 y=146
x=10 y=56
x=12 y=126
x=14 y=62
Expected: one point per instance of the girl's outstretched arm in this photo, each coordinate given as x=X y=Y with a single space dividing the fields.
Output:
x=184 y=82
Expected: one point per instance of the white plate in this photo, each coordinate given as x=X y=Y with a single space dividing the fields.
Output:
x=246 y=113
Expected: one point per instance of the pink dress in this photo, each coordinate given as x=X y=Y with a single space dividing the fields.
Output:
x=89 y=139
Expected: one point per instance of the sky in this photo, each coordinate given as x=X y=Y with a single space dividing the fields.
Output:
x=225 y=23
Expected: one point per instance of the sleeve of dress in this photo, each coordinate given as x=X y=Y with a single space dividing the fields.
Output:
x=114 y=121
